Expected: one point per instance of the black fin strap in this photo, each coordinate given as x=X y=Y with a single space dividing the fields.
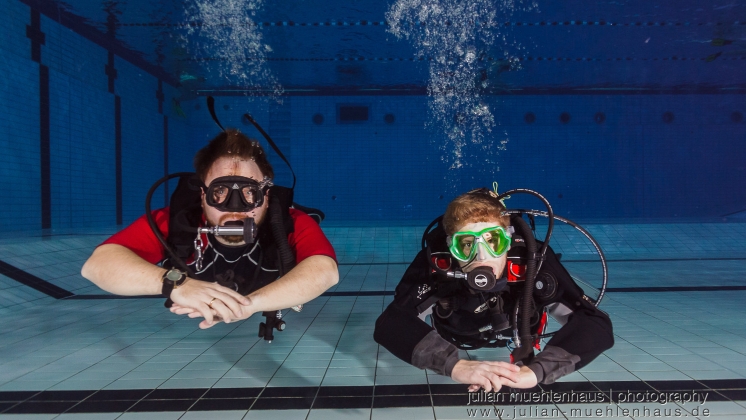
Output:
x=211 y=108
x=271 y=143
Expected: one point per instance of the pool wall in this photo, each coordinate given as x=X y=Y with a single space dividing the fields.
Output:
x=85 y=132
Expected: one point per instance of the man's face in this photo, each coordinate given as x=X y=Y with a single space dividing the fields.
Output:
x=230 y=166
x=483 y=258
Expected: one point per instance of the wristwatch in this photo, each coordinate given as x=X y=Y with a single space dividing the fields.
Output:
x=171 y=280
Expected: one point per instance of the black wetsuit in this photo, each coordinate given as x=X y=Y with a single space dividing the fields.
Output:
x=586 y=333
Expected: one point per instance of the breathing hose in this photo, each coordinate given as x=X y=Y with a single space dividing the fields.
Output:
x=176 y=260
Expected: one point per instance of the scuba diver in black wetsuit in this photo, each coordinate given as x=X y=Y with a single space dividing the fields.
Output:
x=486 y=282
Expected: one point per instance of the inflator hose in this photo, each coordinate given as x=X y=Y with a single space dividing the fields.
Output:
x=526 y=305
x=287 y=259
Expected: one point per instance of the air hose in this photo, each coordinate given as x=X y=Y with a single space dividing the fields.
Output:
x=524 y=349
x=175 y=259
x=287 y=259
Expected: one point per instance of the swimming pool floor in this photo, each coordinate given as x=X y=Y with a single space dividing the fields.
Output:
x=676 y=298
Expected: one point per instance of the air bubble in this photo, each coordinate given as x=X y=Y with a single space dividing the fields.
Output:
x=229 y=37
x=457 y=36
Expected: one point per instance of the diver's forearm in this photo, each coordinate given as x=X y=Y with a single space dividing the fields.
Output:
x=309 y=279
x=118 y=270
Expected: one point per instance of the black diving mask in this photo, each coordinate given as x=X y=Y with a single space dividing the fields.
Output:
x=236 y=194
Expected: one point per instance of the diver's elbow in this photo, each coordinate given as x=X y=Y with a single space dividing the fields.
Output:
x=93 y=266
x=331 y=271
x=332 y=277
x=88 y=269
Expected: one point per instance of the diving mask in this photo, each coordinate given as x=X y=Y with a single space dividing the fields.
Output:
x=236 y=193
x=463 y=245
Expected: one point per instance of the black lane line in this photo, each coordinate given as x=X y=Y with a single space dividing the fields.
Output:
x=328 y=294
x=59 y=293
x=391 y=292
x=594 y=260
x=33 y=282
x=675 y=289
x=662 y=259
x=200 y=399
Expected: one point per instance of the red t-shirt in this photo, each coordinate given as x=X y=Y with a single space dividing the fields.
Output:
x=306 y=240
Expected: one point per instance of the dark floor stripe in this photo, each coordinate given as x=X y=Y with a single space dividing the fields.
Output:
x=661 y=259
x=115 y=297
x=328 y=294
x=674 y=289
x=58 y=293
x=32 y=281
x=391 y=292
x=423 y=395
x=564 y=260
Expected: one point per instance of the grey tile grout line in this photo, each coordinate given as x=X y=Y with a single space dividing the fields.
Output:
x=196 y=400
x=131 y=370
x=91 y=327
x=286 y=357
x=332 y=358
x=668 y=323
x=375 y=369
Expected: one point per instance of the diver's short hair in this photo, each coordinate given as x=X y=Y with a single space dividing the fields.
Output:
x=475 y=206
x=231 y=143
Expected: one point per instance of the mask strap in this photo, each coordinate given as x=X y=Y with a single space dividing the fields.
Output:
x=502 y=200
x=211 y=108
x=271 y=143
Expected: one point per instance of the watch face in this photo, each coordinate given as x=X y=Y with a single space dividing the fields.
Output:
x=173 y=275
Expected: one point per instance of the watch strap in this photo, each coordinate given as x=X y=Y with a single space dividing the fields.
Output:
x=169 y=285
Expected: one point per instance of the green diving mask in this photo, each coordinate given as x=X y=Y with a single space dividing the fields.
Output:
x=463 y=245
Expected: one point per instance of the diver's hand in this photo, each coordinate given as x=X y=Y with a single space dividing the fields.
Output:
x=526 y=379
x=245 y=312
x=209 y=300
x=483 y=374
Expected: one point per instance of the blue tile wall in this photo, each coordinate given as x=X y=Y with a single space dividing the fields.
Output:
x=69 y=53
x=14 y=19
x=632 y=164
x=142 y=138
x=82 y=154
x=82 y=129
x=19 y=142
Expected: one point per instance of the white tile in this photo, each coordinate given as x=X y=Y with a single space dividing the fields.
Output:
x=276 y=415
x=340 y=414
x=214 y=415
x=409 y=413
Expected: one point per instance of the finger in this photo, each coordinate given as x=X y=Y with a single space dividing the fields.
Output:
x=206 y=312
x=204 y=325
x=509 y=366
x=237 y=297
x=507 y=382
x=495 y=381
x=505 y=370
x=232 y=305
x=182 y=311
x=512 y=376
x=474 y=388
x=223 y=311
x=485 y=383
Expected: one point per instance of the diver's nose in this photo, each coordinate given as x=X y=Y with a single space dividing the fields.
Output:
x=482 y=252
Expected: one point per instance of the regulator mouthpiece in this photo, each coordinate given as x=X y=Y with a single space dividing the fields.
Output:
x=246 y=228
x=482 y=279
